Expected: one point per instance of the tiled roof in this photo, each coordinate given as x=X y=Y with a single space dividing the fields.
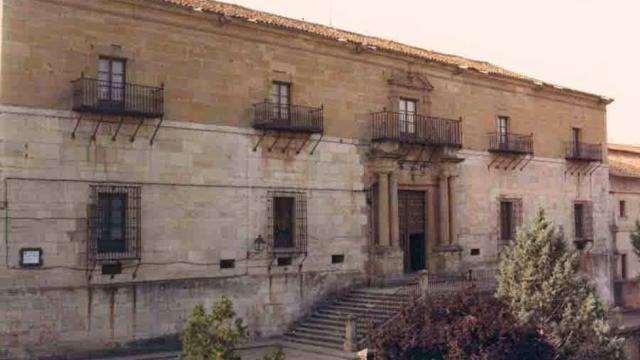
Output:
x=369 y=42
x=624 y=160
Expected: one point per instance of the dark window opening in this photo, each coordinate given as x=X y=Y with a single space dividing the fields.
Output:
x=475 y=252
x=112 y=269
x=623 y=208
x=583 y=220
x=287 y=222
x=502 y=130
x=578 y=212
x=111 y=79
x=510 y=215
x=227 y=264
x=285 y=261
x=623 y=266
x=337 y=259
x=408 y=110
x=114 y=222
x=281 y=99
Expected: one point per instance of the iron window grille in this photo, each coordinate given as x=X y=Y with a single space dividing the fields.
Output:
x=287 y=222
x=583 y=221
x=114 y=222
x=509 y=217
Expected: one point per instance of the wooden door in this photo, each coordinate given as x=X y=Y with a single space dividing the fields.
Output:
x=411 y=211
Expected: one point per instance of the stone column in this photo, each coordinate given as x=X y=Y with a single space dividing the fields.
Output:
x=383 y=209
x=453 y=237
x=444 y=209
x=393 y=209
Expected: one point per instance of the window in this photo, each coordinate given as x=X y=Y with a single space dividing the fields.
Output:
x=623 y=266
x=114 y=222
x=227 y=263
x=111 y=79
x=407 y=109
x=337 y=259
x=623 y=209
x=575 y=141
x=510 y=218
x=583 y=221
x=287 y=212
x=280 y=97
x=502 y=127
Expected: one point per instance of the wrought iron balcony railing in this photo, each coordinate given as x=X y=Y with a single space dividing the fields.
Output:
x=285 y=117
x=583 y=151
x=415 y=129
x=511 y=143
x=98 y=96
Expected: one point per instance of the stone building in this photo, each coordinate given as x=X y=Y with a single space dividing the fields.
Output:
x=158 y=153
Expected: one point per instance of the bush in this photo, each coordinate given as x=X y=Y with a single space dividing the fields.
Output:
x=214 y=335
x=465 y=326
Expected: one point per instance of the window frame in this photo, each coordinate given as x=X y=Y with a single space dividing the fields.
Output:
x=299 y=222
x=100 y=245
x=515 y=215
x=110 y=80
x=502 y=130
x=407 y=119
x=281 y=110
x=583 y=225
x=622 y=209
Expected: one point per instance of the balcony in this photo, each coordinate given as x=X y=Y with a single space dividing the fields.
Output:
x=285 y=117
x=104 y=97
x=511 y=143
x=415 y=129
x=583 y=151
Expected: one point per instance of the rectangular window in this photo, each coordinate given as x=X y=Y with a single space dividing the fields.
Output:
x=623 y=209
x=114 y=222
x=502 y=128
x=583 y=220
x=281 y=99
x=111 y=79
x=287 y=221
x=623 y=266
x=575 y=141
x=510 y=218
x=407 y=109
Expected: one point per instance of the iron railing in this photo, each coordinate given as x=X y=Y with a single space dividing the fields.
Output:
x=285 y=117
x=415 y=129
x=299 y=236
x=114 y=222
x=583 y=151
x=99 y=96
x=511 y=143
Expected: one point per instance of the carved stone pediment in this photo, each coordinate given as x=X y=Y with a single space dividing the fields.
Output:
x=410 y=79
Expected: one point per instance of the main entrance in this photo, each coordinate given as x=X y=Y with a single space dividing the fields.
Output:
x=411 y=211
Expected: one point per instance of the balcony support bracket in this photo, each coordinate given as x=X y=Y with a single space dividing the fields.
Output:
x=259 y=141
x=73 y=133
x=133 y=136
x=594 y=168
x=304 y=142
x=529 y=157
x=95 y=130
x=511 y=161
x=115 y=135
x=316 y=144
x=286 y=147
x=274 y=142
x=155 y=131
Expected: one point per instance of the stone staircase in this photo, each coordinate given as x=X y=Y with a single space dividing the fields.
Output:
x=326 y=327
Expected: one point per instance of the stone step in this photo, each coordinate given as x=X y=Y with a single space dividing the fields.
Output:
x=369 y=305
x=336 y=341
x=329 y=321
x=330 y=334
x=370 y=302
x=321 y=350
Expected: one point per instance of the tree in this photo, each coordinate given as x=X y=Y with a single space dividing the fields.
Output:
x=213 y=336
x=276 y=353
x=635 y=239
x=540 y=281
x=466 y=325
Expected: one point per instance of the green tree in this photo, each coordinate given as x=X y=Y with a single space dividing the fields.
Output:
x=541 y=282
x=276 y=353
x=214 y=335
x=635 y=239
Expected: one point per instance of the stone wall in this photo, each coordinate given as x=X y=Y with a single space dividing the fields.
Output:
x=625 y=189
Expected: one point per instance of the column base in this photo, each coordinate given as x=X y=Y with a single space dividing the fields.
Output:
x=389 y=264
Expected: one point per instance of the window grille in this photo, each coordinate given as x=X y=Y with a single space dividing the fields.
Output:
x=583 y=220
x=287 y=222
x=114 y=222
x=509 y=218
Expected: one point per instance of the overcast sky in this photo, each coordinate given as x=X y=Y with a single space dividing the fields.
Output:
x=583 y=44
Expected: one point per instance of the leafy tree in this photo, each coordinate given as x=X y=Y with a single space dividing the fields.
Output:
x=214 y=335
x=540 y=281
x=635 y=239
x=276 y=354
x=464 y=326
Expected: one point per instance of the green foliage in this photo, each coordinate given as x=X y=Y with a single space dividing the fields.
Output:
x=464 y=326
x=214 y=335
x=635 y=239
x=276 y=354
x=540 y=281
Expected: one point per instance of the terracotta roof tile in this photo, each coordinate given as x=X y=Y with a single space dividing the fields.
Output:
x=624 y=160
x=374 y=43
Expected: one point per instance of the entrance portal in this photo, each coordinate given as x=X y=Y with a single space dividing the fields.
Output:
x=411 y=211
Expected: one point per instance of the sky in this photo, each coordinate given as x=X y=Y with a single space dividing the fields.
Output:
x=588 y=45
